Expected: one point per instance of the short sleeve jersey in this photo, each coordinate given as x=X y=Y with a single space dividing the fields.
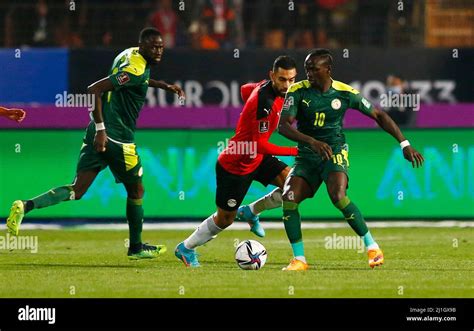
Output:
x=320 y=115
x=130 y=76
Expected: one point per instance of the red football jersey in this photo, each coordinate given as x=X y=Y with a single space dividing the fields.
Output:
x=258 y=119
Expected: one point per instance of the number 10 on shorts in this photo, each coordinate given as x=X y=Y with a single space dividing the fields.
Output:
x=340 y=157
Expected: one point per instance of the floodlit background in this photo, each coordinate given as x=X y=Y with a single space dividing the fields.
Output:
x=424 y=49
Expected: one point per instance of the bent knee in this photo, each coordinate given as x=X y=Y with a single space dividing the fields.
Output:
x=224 y=220
x=289 y=195
x=337 y=194
x=136 y=192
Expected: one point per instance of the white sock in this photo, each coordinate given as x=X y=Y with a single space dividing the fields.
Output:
x=270 y=201
x=205 y=232
x=373 y=246
x=301 y=258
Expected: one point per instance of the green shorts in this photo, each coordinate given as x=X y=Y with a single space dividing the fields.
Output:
x=122 y=159
x=314 y=170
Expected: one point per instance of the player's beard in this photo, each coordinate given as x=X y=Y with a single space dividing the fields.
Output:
x=282 y=93
x=279 y=92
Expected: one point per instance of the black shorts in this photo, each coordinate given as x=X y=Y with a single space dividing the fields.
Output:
x=231 y=189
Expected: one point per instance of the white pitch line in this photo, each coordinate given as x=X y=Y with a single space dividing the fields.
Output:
x=244 y=226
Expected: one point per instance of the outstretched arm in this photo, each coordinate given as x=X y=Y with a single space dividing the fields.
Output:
x=167 y=87
x=386 y=123
x=13 y=114
x=97 y=88
x=286 y=129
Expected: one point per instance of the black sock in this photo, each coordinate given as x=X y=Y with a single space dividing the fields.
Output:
x=135 y=248
x=29 y=205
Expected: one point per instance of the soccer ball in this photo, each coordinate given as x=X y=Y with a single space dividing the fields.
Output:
x=250 y=255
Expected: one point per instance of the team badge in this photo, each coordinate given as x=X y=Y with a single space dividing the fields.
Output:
x=123 y=78
x=336 y=104
x=231 y=203
x=263 y=126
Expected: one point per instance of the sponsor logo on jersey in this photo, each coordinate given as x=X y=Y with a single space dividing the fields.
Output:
x=306 y=102
x=123 y=78
x=231 y=203
x=336 y=104
x=263 y=126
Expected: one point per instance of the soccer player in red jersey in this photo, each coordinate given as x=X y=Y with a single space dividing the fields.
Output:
x=248 y=157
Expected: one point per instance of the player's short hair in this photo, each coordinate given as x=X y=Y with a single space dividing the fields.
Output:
x=147 y=33
x=285 y=62
x=322 y=53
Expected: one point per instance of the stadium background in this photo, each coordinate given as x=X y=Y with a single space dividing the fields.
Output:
x=50 y=49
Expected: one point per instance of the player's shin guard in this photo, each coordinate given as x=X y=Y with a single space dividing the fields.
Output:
x=135 y=220
x=50 y=198
x=270 y=201
x=352 y=215
x=292 y=222
x=205 y=232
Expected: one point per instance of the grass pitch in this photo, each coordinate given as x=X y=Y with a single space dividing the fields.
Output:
x=419 y=262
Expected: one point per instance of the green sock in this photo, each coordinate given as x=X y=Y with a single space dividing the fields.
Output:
x=352 y=215
x=135 y=220
x=53 y=197
x=298 y=249
x=292 y=222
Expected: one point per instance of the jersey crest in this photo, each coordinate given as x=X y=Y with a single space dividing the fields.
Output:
x=263 y=126
x=336 y=104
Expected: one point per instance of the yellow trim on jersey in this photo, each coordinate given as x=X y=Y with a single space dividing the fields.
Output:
x=130 y=156
x=135 y=62
x=340 y=86
x=301 y=84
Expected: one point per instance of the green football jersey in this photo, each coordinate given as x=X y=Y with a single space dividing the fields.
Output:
x=129 y=75
x=320 y=115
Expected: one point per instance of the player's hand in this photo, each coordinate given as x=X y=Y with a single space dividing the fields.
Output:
x=16 y=114
x=100 y=140
x=323 y=149
x=413 y=156
x=176 y=89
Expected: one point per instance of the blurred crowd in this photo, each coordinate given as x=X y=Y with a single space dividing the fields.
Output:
x=212 y=24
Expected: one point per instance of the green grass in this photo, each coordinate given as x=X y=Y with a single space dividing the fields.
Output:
x=93 y=264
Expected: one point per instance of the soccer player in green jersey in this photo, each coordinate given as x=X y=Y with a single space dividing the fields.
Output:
x=109 y=140
x=318 y=104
